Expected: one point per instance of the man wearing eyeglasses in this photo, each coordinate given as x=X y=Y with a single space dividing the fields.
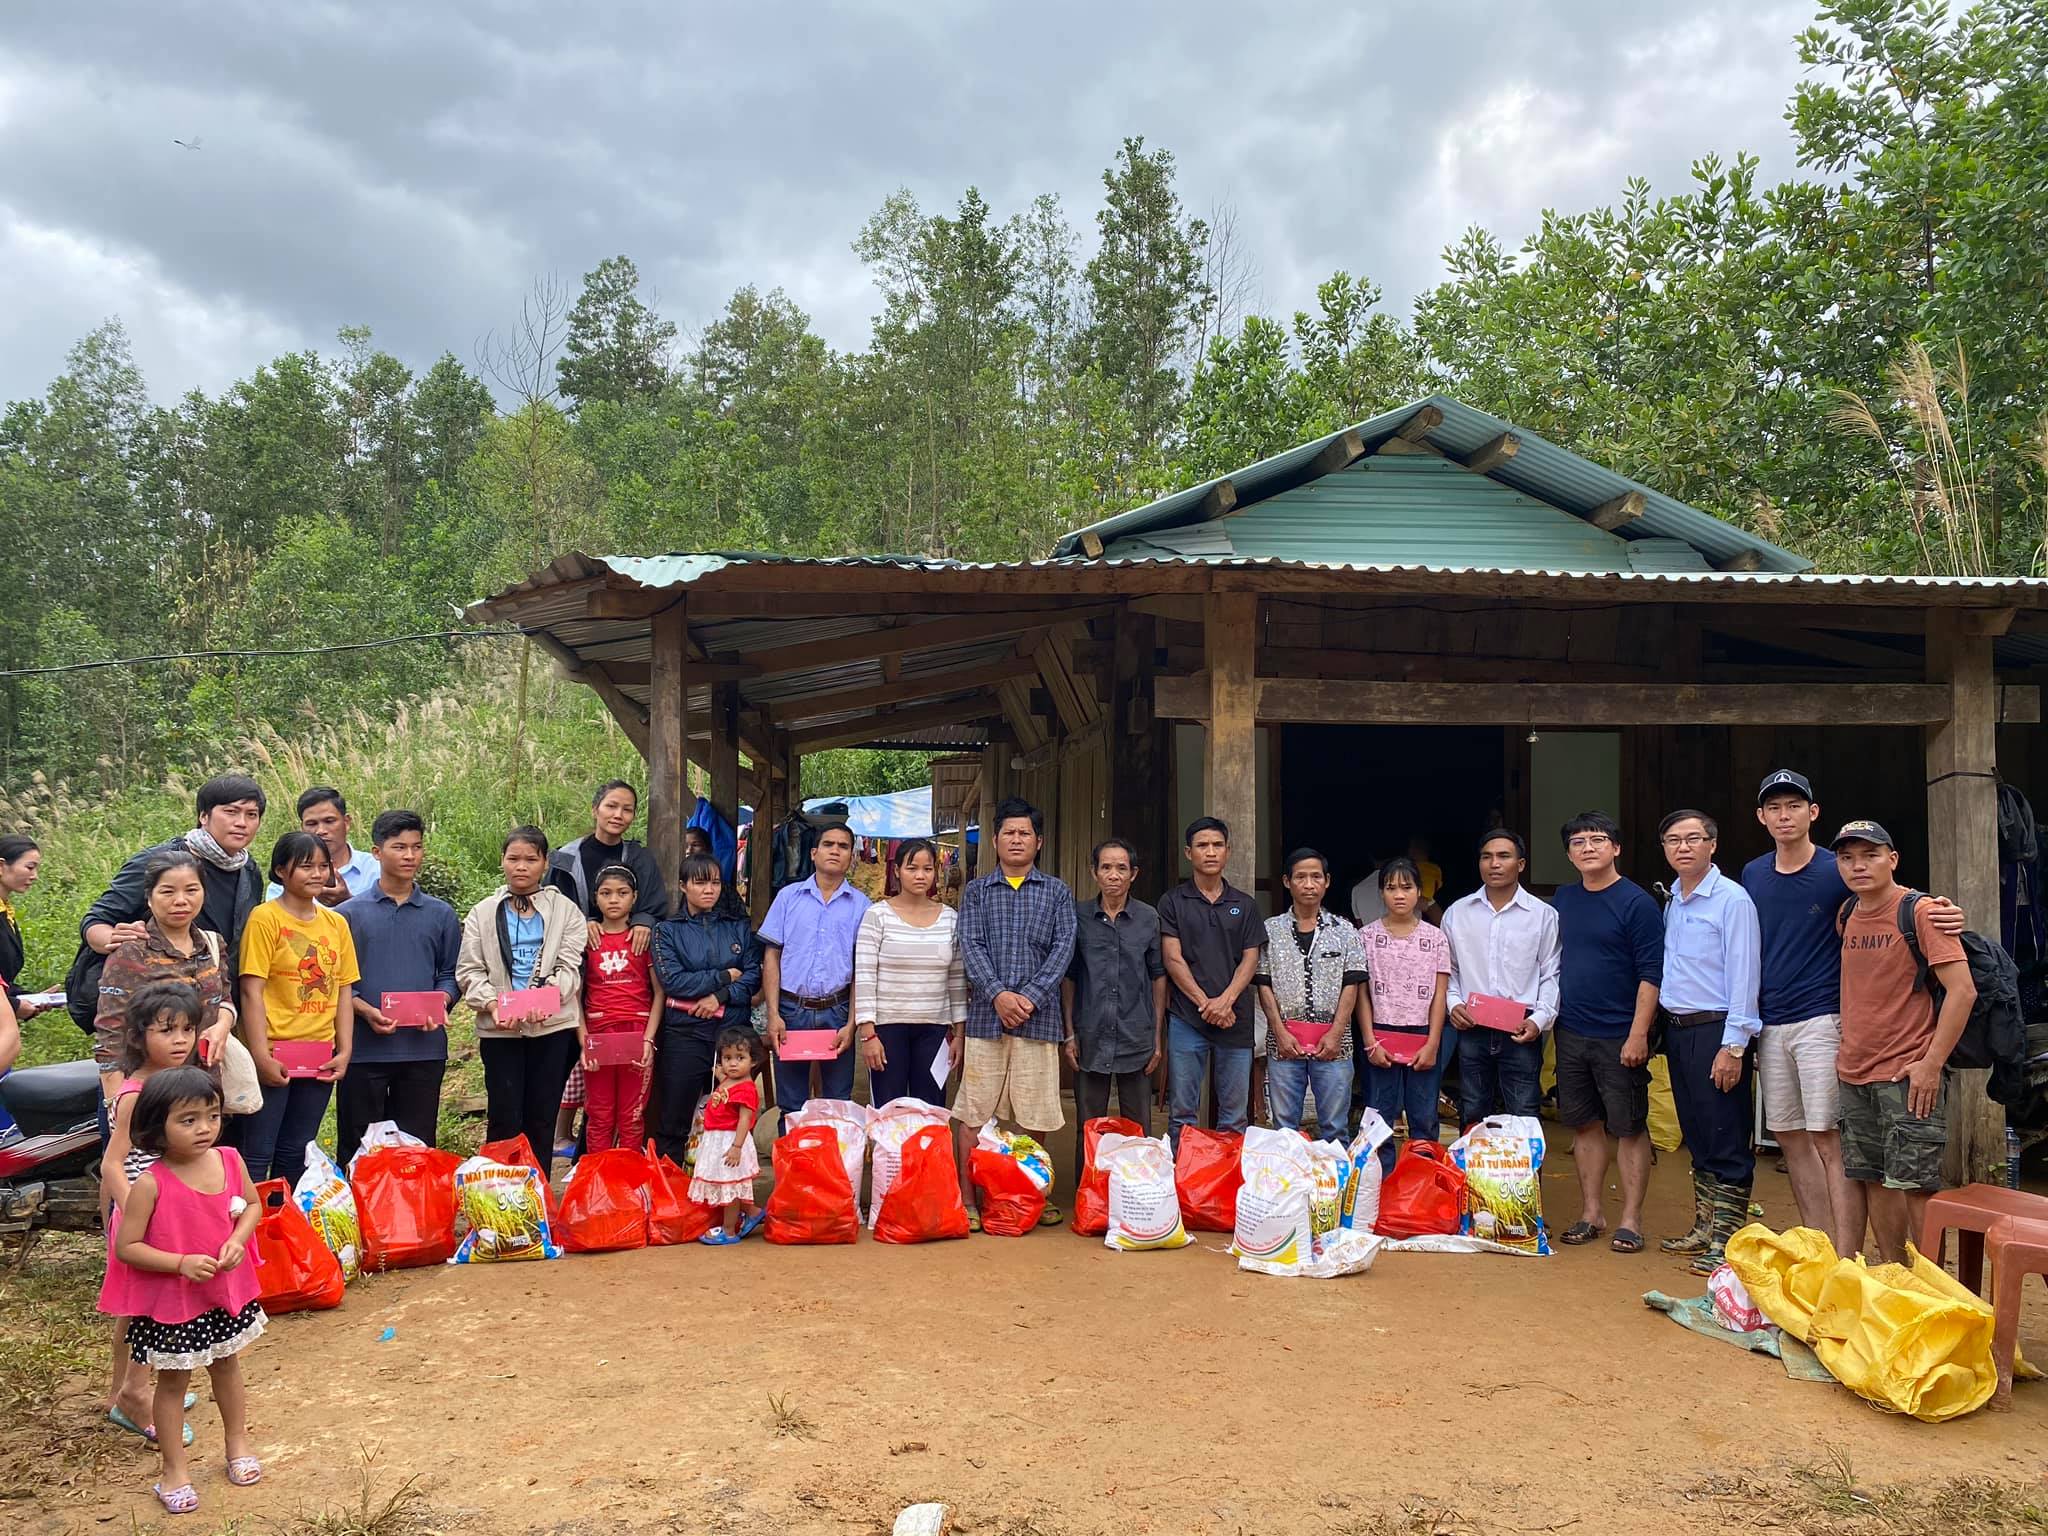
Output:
x=1709 y=1010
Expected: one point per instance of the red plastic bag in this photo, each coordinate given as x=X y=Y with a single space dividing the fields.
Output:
x=924 y=1203
x=1011 y=1201
x=1207 y=1174
x=1424 y=1195
x=1091 y=1192
x=672 y=1216
x=812 y=1201
x=297 y=1271
x=405 y=1200
x=604 y=1209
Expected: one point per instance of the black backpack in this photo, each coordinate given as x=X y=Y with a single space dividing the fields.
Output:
x=2019 y=839
x=1995 y=1034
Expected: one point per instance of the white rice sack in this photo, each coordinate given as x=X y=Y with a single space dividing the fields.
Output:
x=1330 y=1170
x=1502 y=1157
x=1346 y=1253
x=850 y=1122
x=1362 y=1191
x=1274 y=1234
x=888 y=1129
x=1144 y=1212
x=330 y=1205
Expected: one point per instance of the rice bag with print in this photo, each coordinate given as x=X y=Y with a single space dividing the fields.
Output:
x=1502 y=1160
x=506 y=1211
x=330 y=1205
x=1144 y=1211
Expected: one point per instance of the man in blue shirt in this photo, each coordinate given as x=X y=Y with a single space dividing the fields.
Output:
x=1612 y=940
x=807 y=970
x=324 y=813
x=1709 y=1007
x=1799 y=893
x=406 y=941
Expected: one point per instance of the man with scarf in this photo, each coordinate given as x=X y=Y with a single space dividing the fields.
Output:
x=230 y=809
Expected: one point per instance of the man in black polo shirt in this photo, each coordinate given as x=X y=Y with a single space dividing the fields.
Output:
x=1210 y=936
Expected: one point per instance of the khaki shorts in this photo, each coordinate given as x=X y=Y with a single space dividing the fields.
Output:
x=1796 y=1063
x=1010 y=1079
x=1882 y=1141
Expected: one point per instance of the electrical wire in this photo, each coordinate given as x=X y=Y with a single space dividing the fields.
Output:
x=233 y=655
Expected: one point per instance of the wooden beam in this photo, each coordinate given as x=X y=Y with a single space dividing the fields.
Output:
x=849 y=733
x=1989 y=621
x=892 y=669
x=927 y=635
x=600 y=679
x=1610 y=515
x=929 y=685
x=1849 y=652
x=1491 y=456
x=1091 y=545
x=635 y=674
x=1420 y=425
x=1393 y=447
x=769 y=809
x=1747 y=560
x=1326 y=701
x=1962 y=852
x=1341 y=451
x=722 y=757
x=1015 y=699
x=629 y=602
x=1219 y=501
x=1230 y=763
x=1074 y=703
x=667 y=730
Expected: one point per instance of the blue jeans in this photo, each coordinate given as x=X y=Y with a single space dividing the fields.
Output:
x=793 y=1078
x=1286 y=1080
x=1190 y=1051
x=274 y=1138
x=1490 y=1063
x=1397 y=1090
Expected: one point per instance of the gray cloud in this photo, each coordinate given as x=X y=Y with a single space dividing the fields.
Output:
x=411 y=168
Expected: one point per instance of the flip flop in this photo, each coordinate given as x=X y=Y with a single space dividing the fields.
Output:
x=119 y=1418
x=1050 y=1216
x=1627 y=1240
x=749 y=1225
x=243 y=1471
x=973 y=1219
x=1581 y=1232
x=182 y=1500
x=718 y=1237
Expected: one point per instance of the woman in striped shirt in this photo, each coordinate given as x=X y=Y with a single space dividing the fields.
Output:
x=909 y=990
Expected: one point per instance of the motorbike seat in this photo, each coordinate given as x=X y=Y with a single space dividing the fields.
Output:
x=44 y=1100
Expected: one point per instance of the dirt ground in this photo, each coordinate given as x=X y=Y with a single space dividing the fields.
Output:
x=1044 y=1386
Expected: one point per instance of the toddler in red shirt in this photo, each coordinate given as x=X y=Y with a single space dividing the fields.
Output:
x=726 y=1160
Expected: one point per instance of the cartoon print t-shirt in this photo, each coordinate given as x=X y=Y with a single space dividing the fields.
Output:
x=304 y=964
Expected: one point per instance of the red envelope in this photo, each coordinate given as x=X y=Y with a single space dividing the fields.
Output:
x=524 y=1003
x=618 y=1048
x=1306 y=1035
x=809 y=1045
x=1399 y=1045
x=1501 y=1013
x=302 y=1058
x=416 y=1010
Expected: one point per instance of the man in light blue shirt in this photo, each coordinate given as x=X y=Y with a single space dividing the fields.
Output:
x=807 y=970
x=1708 y=1004
x=324 y=813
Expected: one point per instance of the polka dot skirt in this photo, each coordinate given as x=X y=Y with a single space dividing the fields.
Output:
x=213 y=1335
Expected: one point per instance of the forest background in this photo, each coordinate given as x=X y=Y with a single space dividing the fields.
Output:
x=1849 y=363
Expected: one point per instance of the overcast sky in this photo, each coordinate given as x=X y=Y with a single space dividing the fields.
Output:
x=411 y=167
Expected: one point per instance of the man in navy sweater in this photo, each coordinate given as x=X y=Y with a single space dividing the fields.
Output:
x=1613 y=963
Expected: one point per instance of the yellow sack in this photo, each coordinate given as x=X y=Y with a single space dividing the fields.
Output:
x=1664 y=1132
x=1888 y=1340
x=1936 y=1281
x=1783 y=1273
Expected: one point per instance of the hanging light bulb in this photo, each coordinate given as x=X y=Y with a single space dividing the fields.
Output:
x=1532 y=738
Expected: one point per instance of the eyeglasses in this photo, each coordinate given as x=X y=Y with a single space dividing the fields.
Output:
x=1687 y=840
x=1590 y=840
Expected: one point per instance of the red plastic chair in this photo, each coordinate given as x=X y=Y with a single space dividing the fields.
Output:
x=2017 y=1247
x=1972 y=1211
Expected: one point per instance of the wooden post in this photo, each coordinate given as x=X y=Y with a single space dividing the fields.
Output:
x=722 y=754
x=768 y=813
x=1138 y=755
x=1230 y=773
x=1962 y=843
x=667 y=730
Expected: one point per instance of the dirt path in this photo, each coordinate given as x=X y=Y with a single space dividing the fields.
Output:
x=1045 y=1386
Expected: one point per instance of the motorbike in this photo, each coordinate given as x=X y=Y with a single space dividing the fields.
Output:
x=50 y=1165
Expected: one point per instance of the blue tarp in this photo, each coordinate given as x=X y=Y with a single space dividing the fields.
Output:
x=907 y=813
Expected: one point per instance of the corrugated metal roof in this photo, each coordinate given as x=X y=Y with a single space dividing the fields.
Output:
x=1539 y=469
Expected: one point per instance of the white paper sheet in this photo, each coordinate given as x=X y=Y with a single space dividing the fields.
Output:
x=942 y=1067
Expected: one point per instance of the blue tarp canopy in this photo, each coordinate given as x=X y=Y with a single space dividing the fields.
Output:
x=907 y=813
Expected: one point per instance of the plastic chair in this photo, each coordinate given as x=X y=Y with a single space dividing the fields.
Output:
x=2017 y=1247
x=1972 y=1211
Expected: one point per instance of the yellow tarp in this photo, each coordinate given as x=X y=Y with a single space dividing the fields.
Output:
x=1895 y=1335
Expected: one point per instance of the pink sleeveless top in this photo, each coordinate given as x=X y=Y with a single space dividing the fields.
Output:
x=184 y=1221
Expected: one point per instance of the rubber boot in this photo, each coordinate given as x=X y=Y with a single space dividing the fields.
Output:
x=1697 y=1239
x=1730 y=1215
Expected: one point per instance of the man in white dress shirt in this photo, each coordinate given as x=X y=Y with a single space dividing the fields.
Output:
x=1504 y=944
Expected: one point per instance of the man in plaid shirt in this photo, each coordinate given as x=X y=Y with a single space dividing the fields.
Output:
x=1016 y=939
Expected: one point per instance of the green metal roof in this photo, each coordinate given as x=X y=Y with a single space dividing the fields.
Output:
x=1426 y=517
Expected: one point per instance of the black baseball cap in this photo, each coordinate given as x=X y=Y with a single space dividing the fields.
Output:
x=1784 y=778
x=1863 y=832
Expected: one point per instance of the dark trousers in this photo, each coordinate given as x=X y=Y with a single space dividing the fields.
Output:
x=1492 y=1069
x=1717 y=1126
x=524 y=1077
x=408 y=1092
x=1091 y=1102
x=793 y=1078
x=908 y=1051
x=682 y=1076
x=274 y=1138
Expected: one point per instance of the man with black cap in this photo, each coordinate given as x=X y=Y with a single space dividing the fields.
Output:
x=1799 y=893
x=1895 y=1045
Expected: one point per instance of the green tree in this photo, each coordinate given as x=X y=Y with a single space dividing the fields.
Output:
x=616 y=347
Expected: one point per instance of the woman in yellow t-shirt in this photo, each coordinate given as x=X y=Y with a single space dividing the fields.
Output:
x=298 y=986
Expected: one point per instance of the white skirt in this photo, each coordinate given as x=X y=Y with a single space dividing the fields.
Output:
x=715 y=1182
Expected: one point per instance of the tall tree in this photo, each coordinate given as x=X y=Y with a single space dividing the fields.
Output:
x=617 y=347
